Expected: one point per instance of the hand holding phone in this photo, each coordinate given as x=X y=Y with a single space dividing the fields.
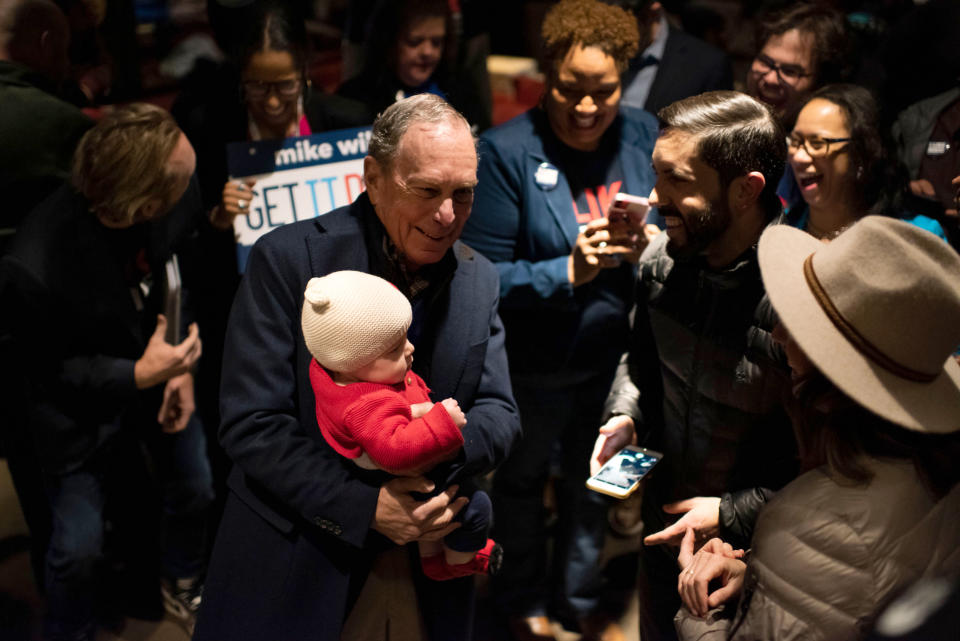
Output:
x=621 y=475
x=629 y=208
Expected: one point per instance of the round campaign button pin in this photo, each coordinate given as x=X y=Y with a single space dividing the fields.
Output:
x=546 y=176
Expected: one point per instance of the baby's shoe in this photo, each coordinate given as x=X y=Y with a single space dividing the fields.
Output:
x=486 y=561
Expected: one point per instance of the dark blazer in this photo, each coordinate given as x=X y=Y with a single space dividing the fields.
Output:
x=689 y=67
x=75 y=322
x=295 y=536
x=529 y=231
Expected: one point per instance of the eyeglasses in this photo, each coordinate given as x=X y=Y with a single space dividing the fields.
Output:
x=258 y=89
x=814 y=145
x=790 y=74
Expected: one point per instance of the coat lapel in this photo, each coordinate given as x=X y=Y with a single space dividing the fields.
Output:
x=462 y=321
x=665 y=72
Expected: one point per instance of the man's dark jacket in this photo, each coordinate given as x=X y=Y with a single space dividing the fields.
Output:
x=296 y=535
x=75 y=322
x=689 y=67
x=705 y=384
x=39 y=133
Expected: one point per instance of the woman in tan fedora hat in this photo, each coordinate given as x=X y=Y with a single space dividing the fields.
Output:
x=869 y=323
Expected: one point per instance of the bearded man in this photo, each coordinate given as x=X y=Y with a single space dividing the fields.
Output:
x=702 y=380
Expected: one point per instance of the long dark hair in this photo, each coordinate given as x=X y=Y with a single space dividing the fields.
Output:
x=880 y=179
x=834 y=430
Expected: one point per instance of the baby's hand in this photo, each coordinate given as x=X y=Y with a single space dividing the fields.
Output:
x=418 y=410
x=453 y=409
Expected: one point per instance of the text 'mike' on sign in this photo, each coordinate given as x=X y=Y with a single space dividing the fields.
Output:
x=297 y=178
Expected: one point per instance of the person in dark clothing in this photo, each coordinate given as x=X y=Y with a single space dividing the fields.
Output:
x=411 y=47
x=262 y=92
x=39 y=130
x=671 y=64
x=702 y=381
x=85 y=283
x=303 y=526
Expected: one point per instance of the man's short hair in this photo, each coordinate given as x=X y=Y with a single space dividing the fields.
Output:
x=393 y=123
x=121 y=163
x=736 y=134
x=831 y=55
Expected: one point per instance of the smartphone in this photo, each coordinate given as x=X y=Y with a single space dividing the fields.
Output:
x=621 y=475
x=636 y=206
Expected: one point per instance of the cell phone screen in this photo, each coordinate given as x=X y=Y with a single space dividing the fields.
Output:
x=626 y=468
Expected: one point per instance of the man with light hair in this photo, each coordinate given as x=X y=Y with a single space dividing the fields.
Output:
x=88 y=290
x=311 y=546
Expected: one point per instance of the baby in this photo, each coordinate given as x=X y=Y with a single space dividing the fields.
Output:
x=373 y=409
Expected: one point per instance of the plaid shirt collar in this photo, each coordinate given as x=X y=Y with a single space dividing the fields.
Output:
x=389 y=263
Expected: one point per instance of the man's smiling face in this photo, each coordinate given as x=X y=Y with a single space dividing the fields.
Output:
x=688 y=195
x=424 y=197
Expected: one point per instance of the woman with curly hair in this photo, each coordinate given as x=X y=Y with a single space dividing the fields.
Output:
x=566 y=260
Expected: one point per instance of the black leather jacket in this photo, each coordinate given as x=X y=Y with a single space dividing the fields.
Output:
x=704 y=383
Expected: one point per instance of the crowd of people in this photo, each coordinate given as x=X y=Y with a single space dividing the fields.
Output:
x=415 y=388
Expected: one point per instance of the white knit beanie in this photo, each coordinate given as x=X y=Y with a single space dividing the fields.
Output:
x=350 y=318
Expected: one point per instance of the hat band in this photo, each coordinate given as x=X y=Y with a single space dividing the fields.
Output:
x=859 y=342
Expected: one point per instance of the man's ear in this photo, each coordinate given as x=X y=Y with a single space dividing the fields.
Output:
x=745 y=191
x=372 y=178
x=149 y=209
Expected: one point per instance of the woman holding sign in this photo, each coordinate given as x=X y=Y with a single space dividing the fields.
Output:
x=262 y=93
x=544 y=213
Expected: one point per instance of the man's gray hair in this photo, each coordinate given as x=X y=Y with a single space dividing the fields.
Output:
x=393 y=123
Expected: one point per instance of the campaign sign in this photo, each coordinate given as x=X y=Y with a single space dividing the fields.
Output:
x=296 y=179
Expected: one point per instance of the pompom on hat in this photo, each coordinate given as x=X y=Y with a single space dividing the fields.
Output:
x=350 y=318
x=877 y=311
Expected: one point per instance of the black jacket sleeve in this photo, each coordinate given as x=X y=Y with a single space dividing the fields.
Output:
x=738 y=514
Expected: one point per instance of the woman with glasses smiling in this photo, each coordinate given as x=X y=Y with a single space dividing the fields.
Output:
x=844 y=167
x=262 y=92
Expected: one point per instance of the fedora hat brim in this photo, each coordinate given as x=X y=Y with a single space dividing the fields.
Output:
x=927 y=407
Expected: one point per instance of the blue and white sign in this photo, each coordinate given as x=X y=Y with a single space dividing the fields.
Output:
x=296 y=179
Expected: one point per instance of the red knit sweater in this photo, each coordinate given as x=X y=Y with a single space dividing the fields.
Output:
x=374 y=418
